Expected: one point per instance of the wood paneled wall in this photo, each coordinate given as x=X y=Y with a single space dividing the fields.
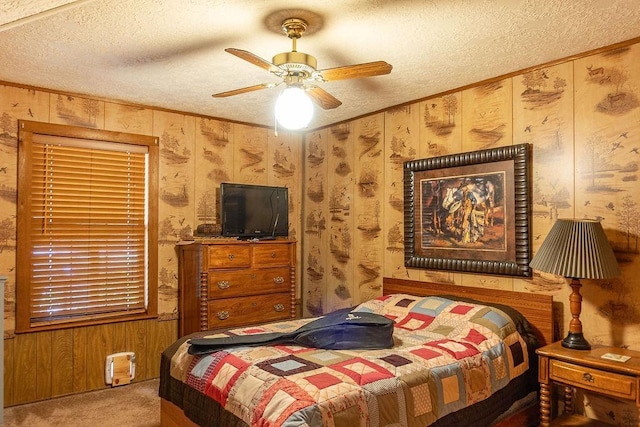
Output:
x=42 y=365
x=581 y=117
x=196 y=155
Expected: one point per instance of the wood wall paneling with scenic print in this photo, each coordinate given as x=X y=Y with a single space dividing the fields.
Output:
x=176 y=200
x=402 y=130
x=543 y=116
x=487 y=123
x=213 y=166
x=196 y=155
x=440 y=135
x=15 y=104
x=250 y=153
x=487 y=116
x=285 y=170
x=582 y=120
x=368 y=196
x=340 y=224
x=316 y=249
x=76 y=111
x=607 y=158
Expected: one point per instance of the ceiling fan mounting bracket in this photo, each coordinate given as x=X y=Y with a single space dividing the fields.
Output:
x=294 y=27
x=275 y=21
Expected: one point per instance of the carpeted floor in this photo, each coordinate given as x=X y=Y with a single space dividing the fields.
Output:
x=133 y=405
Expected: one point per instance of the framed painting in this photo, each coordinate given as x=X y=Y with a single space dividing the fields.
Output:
x=469 y=212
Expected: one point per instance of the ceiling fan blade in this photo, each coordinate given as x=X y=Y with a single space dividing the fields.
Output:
x=323 y=98
x=245 y=90
x=368 y=69
x=254 y=59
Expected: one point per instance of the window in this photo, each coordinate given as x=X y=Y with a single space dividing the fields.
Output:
x=87 y=226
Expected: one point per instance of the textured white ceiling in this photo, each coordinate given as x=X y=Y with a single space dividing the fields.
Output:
x=16 y=12
x=170 y=53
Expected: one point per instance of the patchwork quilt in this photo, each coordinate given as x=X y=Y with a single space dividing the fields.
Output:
x=447 y=355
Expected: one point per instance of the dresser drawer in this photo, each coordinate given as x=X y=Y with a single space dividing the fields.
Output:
x=232 y=312
x=596 y=380
x=224 y=284
x=271 y=255
x=229 y=256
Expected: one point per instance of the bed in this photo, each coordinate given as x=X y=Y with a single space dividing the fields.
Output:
x=441 y=371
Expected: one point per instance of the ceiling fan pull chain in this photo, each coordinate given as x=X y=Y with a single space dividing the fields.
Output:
x=275 y=125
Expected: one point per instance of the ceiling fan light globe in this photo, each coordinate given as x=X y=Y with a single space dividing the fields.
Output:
x=294 y=108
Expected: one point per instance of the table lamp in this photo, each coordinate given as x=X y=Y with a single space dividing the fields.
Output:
x=576 y=249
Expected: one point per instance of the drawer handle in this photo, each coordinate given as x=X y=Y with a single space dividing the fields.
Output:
x=273 y=254
x=278 y=307
x=223 y=284
x=587 y=377
x=223 y=315
x=231 y=257
x=278 y=280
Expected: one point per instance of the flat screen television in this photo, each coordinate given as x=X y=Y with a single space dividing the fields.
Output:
x=254 y=211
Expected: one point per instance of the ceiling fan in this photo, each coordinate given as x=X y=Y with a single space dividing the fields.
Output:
x=299 y=69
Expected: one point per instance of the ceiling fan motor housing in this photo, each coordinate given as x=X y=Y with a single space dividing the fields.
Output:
x=296 y=62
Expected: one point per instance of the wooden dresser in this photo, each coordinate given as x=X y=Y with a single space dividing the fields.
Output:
x=229 y=283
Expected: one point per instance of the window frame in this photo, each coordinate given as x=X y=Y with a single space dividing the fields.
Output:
x=26 y=132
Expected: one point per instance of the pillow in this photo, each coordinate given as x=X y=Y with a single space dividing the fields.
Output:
x=397 y=306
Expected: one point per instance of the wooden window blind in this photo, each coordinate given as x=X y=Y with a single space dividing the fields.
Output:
x=88 y=230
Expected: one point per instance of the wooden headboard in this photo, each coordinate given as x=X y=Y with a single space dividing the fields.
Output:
x=537 y=308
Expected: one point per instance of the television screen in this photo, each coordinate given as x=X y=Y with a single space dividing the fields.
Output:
x=254 y=211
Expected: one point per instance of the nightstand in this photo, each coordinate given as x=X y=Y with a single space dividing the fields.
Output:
x=587 y=370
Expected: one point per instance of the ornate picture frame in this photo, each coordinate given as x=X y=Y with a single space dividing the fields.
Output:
x=469 y=212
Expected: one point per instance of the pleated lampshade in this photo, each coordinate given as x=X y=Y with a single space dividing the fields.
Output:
x=576 y=248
